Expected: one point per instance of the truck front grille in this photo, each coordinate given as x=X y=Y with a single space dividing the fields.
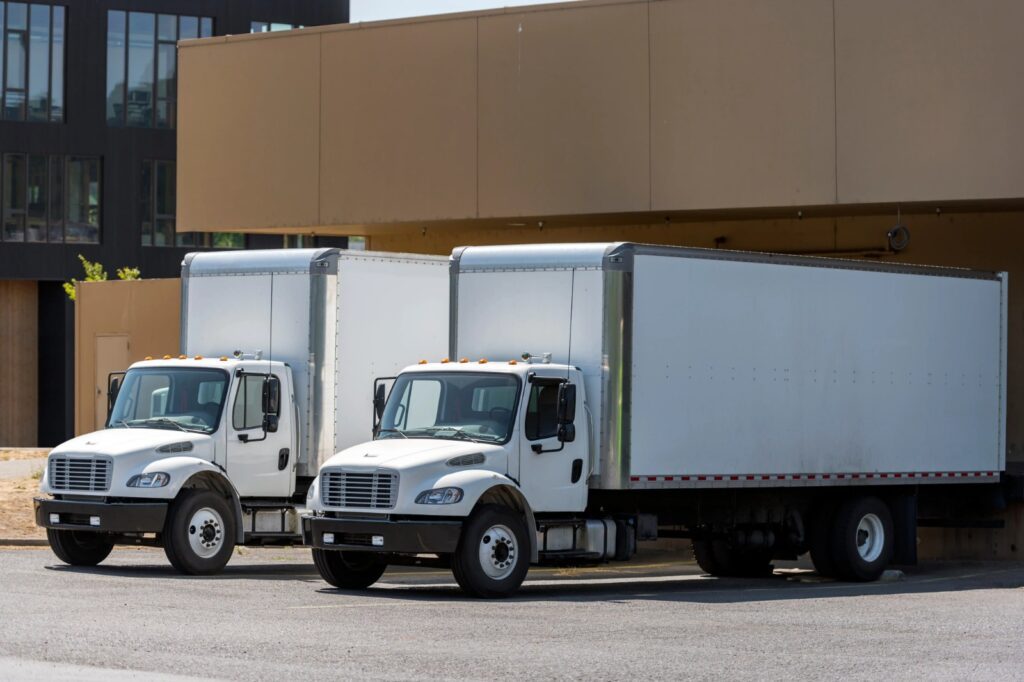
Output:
x=377 y=490
x=90 y=474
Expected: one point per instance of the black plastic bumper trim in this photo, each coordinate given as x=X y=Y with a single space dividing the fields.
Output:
x=433 y=536
x=142 y=517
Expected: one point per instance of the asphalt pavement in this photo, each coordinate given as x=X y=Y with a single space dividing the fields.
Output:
x=270 y=617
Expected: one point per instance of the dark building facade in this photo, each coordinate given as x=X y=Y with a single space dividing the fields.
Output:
x=88 y=143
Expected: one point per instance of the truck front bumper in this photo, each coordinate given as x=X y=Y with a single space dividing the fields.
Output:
x=101 y=517
x=415 y=536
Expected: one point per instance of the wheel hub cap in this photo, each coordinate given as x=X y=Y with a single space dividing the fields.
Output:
x=870 y=537
x=206 y=532
x=498 y=552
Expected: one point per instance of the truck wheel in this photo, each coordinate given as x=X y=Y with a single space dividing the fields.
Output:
x=79 y=548
x=718 y=558
x=348 y=570
x=862 y=539
x=704 y=555
x=199 y=534
x=820 y=541
x=493 y=555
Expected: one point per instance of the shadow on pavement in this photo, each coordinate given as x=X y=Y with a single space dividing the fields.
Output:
x=932 y=578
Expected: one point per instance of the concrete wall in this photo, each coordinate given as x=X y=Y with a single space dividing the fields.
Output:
x=603 y=108
x=19 y=363
x=118 y=323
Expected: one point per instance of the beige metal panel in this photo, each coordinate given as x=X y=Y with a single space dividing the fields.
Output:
x=143 y=315
x=19 y=363
x=930 y=101
x=399 y=123
x=111 y=356
x=564 y=125
x=742 y=107
x=248 y=133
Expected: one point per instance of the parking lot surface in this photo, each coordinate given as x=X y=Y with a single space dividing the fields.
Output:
x=270 y=617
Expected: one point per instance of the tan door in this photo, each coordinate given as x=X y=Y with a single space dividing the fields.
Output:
x=111 y=356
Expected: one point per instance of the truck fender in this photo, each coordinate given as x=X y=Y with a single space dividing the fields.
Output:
x=192 y=472
x=489 y=487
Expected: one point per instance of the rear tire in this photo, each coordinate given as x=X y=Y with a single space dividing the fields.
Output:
x=349 y=570
x=820 y=540
x=493 y=555
x=199 y=533
x=719 y=558
x=79 y=548
x=862 y=539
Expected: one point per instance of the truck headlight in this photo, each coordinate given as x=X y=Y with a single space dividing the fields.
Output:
x=157 y=479
x=440 y=496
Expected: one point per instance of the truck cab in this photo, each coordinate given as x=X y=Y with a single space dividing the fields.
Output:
x=480 y=464
x=190 y=447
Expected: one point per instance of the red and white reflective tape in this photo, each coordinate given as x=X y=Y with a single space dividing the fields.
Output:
x=813 y=477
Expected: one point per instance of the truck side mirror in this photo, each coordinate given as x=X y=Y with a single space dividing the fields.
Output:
x=270 y=422
x=379 y=398
x=272 y=396
x=566 y=403
x=113 y=388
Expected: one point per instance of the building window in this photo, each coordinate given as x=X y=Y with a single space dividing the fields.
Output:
x=34 y=188
x=159 y=210
x=142 y=65
x=268 y=26
x=32 y=61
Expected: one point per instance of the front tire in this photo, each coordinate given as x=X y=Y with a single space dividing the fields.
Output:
x=493 y=556
x=199 y=533
x=862 y=540
x=348 y=570
x=79 y=548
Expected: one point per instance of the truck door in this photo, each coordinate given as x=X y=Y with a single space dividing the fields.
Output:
x=553 y=474
x=260 y=461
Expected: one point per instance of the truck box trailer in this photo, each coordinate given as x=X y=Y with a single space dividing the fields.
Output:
x=596 y=394
x=217 y=446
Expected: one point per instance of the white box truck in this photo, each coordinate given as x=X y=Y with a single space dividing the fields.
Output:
x=596 y=394
x=217 y=447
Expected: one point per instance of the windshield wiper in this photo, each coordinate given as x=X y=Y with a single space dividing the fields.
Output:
x=457 y=431
x=399 y=432
x=165 y=420
x=124 y=423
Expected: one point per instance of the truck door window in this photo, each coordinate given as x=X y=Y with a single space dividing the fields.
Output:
x=542 y=412
x=248 y=409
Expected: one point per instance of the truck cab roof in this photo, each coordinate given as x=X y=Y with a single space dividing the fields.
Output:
x=224 y=362
x=517 y=367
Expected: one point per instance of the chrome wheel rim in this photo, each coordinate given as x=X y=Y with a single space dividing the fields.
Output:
x=870 y=537
x=498 y=552
x=205 y=532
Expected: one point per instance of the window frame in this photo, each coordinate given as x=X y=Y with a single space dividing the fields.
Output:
x=537 y=383
x=55 y=216
x=242 y=390
x=171 y=98
x=25 y=35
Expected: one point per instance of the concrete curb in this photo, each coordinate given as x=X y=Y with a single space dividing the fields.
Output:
x=23 y=542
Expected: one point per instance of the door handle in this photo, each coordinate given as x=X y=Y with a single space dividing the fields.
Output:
x=282 y=458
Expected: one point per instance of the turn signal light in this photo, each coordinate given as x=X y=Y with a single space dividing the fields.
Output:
x=423 y=362
x=445 y=361
x=512 y=362
x=223 y=358
x=482 y=361
x=183 y=357
x=463 y=359
x=148 y=357
x=199 y=357
x=167 y=357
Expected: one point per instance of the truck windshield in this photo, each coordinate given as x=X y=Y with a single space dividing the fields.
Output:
x=170 y=398
x=457 y=405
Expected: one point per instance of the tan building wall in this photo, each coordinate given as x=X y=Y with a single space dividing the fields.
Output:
x=603 y=108
x=19 y=363
x=118 y=323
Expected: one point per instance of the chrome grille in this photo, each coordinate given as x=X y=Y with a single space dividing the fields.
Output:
x=80 y=473
x=376 y=490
